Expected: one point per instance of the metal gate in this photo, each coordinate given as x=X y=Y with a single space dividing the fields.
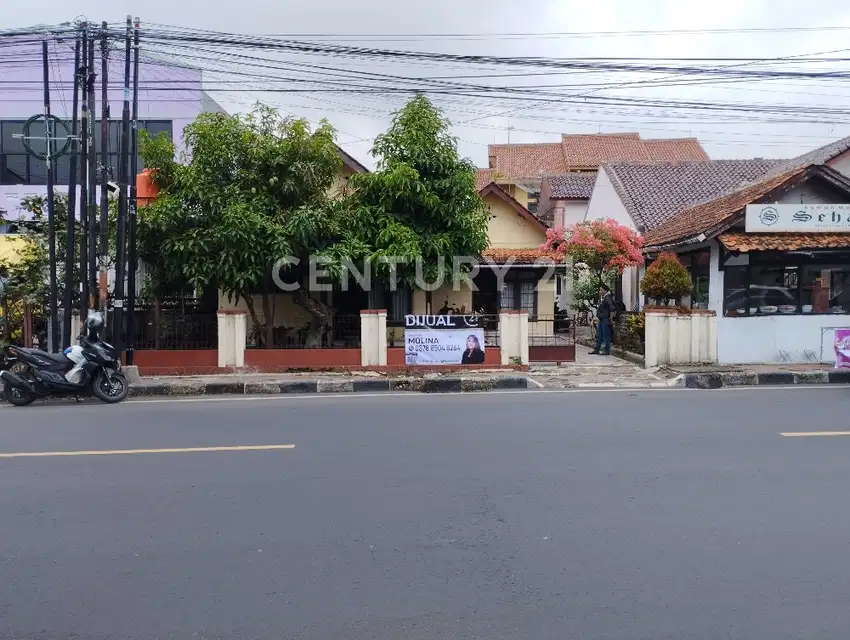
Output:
x=551 y=338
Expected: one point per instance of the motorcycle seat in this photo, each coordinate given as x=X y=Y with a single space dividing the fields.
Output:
x=58 y=358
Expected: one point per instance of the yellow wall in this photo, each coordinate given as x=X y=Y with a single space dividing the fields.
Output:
x=286 y=312
x=9 y=244
x=545 y=309
x=507 y=230
x=340 y=182
x=462 y=298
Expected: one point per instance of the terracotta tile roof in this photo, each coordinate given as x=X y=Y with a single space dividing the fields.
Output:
x=519 y=256
x=675 y=150
x=528 y=160
x=483 y=177
x=587 y=152
x=705 y=217
x=571 y=185
x=654 y=193
x=745 y=242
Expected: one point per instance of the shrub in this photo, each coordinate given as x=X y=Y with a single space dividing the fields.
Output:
x=666 y=279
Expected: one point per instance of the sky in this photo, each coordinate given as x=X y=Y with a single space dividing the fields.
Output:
x=567 y=29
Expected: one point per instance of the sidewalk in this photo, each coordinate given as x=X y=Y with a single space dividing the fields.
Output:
x=592 y=371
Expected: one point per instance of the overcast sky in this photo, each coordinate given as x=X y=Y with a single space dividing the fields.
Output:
x=479 y=122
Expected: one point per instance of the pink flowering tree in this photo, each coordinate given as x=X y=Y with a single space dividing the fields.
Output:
x=604 y=246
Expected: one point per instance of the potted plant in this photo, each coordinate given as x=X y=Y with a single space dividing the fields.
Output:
x=666 y=280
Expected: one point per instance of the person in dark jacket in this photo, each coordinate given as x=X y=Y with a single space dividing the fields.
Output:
x=474 y=354
x=605 y=318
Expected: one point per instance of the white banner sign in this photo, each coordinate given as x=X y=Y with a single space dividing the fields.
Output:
x=443 y=340
x=799 y=218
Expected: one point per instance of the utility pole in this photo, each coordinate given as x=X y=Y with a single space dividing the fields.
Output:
x=51 y=221
x=91 y=270
x=120 y=253
x=85 y=140
x=134 y=169
x=104 y=163
x=68 y=301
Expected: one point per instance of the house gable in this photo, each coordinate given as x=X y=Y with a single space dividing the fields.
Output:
x=511 y=226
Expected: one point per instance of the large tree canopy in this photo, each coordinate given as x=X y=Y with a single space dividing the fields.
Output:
x=256 y=189
x=421 y=203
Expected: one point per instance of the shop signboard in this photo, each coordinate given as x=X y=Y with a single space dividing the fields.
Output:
x=797 y=218
x=449 y=339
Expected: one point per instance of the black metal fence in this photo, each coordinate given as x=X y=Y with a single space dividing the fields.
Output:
x=175 y=323
x=337 y=332
x=175 y=329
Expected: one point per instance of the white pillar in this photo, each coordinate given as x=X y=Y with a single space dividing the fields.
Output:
x=513 y=336
x=373 y=337
x=232 y=332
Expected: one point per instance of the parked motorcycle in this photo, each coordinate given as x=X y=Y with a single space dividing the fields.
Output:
x=91 y=368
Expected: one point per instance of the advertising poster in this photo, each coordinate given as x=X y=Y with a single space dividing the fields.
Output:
x=443 y=340
x=842 y=348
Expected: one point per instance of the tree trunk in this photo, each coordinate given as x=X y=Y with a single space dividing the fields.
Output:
x=321 y=317
x=249 y=302
x=268 y=318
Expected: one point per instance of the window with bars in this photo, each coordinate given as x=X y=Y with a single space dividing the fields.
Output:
x=17 y=167
x=519 y=291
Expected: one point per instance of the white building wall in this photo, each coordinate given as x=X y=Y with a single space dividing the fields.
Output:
x=605 y=203
x=574 y=211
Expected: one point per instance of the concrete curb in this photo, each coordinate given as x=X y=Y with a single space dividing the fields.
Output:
x=718 y=380
x=426 y=385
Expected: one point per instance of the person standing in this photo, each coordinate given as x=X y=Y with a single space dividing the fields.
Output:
x=605 y=316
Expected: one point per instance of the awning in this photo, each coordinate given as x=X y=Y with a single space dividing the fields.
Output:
x=745 y=242
x=519 y=256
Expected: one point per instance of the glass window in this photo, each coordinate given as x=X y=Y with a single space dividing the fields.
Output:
x=38 y=171
x=158 y=126
x=774 y=289
x=10 y=128
x=825 y=289
x=527 y=297
x=13 y=169
x=506 y=300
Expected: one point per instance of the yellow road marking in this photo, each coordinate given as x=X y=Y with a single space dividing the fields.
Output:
x=800 y=434
x=119 y=452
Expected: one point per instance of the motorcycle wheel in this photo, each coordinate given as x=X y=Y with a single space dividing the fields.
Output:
x=17 y=397
x=112 y=391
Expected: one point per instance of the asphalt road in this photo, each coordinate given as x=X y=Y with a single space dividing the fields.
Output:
x=524 y=516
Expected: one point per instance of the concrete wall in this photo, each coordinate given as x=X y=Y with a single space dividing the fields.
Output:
x=674 y=338
x=508 y=230
x=807 y=193
x=286 y=312
x=755 y=340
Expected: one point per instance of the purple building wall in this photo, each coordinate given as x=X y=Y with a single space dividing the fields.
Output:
x=167 y=91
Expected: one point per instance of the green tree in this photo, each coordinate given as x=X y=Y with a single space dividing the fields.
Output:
x=255 y=189
x=252 y=192
x=421 y=203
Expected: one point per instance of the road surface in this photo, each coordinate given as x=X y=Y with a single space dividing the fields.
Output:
x=500 y=516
